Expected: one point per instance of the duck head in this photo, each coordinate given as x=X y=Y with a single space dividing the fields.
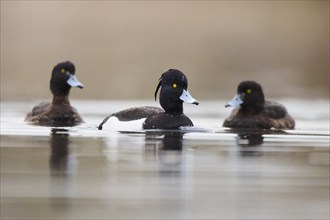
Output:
x=63 y=78
x=174 y=91
x=249 y=94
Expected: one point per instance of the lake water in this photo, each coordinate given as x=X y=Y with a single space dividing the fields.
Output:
x=125 y=172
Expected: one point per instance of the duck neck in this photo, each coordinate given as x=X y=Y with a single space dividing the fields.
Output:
x=252 y=109
x=171 y=107
x=61 y=100
x=59 y=89
x=178 y=110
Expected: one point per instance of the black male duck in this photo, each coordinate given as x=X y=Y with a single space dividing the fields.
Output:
x=173 y=92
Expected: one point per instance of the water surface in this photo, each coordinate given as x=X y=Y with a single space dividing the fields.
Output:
x=125 y=172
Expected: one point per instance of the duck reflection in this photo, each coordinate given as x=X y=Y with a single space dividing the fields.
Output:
x=249 y=141
x=164 y=140
x=59 y=145
x=61 y=185
x=169 y=149
x=170 y=156
x=172 y=167
x=172 y=141
x=249 y=144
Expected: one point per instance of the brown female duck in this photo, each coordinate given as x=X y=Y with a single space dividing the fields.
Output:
x=59 y=112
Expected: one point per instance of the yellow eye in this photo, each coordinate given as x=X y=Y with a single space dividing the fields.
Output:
x=62 y=70
x=248 y=91
x=174 y=85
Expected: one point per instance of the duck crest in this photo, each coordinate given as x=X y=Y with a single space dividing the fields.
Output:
x=157 y=88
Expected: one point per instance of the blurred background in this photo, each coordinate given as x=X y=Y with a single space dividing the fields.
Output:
x=120 y=49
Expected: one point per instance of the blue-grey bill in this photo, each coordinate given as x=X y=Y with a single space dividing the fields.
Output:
x=73 y=81
x=186 y=97
x=235 y=102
